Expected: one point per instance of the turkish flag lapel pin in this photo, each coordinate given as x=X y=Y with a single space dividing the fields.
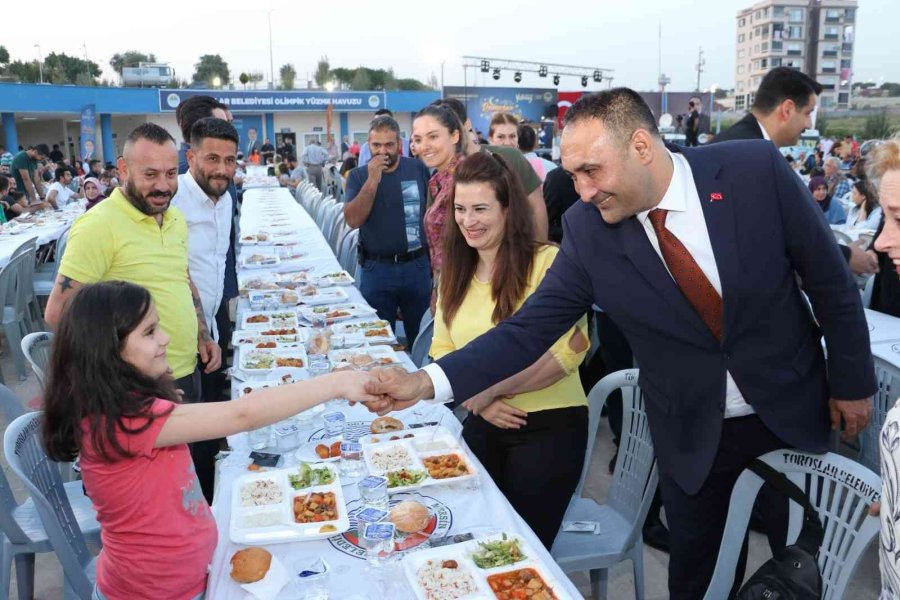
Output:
x=716 y=197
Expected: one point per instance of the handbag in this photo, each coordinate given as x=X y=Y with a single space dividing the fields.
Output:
x=794 y=573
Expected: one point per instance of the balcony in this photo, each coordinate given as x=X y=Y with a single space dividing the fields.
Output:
x=829 y=70
x=777 y=46
x=847 y=47
x=828 y=53
x=831 y=37
x=798 y=53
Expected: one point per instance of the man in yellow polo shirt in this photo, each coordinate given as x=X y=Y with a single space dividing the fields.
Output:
x=135 y=236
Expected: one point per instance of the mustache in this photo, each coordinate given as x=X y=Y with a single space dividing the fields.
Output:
x=159 y=195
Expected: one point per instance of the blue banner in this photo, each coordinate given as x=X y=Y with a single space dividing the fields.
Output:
x=524 y=103
x=88 y=137
x=259 y=101
x=249 y=128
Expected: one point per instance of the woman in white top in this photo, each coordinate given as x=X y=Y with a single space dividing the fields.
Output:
x=865 y=212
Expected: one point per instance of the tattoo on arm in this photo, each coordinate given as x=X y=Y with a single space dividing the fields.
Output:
x=203 y=329
x=65 y=283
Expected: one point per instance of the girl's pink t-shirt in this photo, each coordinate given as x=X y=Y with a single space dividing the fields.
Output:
x=157 y=530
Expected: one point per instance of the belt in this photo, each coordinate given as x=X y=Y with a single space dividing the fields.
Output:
x=314 y=165
x=394 y=258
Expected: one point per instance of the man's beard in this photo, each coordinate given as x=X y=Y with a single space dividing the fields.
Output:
x=392 y=159
x=142 y=203
x=205 y=184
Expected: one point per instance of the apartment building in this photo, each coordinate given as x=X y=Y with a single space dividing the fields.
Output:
x=813 y=36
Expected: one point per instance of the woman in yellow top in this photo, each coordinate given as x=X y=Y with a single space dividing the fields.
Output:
x=529 y=431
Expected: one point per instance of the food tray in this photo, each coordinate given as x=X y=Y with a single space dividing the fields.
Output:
x=335 y=278
x=261 y=299
x=285 y=530
x=424 y=439
x=381 y=356
x=418 y=461
x=253 y=386
x=259 y=261
x=292 y=279
x=269 y=320
x=251 y=337
x=250 y=360
x=373 y=332
x=462 y=554
x=335 y=313
x=324 y=296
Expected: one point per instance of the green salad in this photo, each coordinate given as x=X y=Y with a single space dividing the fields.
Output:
x=404 y=477
x=309 y=476
x=498 y=553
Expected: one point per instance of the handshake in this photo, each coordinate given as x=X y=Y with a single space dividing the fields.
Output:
x=391 y=388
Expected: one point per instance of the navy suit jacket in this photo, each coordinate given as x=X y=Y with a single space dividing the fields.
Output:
x=765 y=230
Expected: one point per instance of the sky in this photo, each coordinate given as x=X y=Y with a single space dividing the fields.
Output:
x=416 y=37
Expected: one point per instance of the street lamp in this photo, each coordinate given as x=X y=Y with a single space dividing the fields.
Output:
x=217 y=81
x=271 y=59
x=40 y=63
x=329 y=86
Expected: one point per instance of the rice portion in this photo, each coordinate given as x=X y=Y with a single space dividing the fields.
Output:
x=441 y=583
x=391 y=459
x=261 y=492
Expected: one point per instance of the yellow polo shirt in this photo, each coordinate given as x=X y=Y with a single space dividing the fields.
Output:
x=474 y=318
x=114 y=241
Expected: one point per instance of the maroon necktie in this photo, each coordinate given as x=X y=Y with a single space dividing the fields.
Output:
x=688 y=275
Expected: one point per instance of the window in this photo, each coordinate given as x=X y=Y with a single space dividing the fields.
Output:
x=848 y=34
x=741 y=38
x=764 y=47
x=826 y=101
x=742 y=21
x=849 y=15
x=756 y=49
x=830 y=50
x=795 y=15
x=778 y=12
x=832 y=33
x=775 y=62
x=740 y=86
x=777 y=31
x=794 y=32
x=845 y=63
x=828 y=82
x=740 y=69
x=843 y=98
x=740 y=54
x=828 y=66
x=833 y=15
x=793 y=64
x=739 y=102
x=847 y=48
x=794 y=49
x=777 y=46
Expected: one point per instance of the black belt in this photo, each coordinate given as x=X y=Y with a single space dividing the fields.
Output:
x=393 y=258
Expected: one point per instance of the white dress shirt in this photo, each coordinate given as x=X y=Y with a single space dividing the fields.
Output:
x=209 y=236
x=764 y=132
x=686 y=221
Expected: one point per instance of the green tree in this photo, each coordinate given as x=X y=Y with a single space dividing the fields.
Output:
x=323 y=72
x=62 y=68
x=877 y=126
x=4 y=55
x=256 y=77
x=822 y=123
x=288 y=74
x=893 y=89
x=361 y=81
x=390 y=80
x=342 y=75
x=209 y=67
x=129 y=58
x=244 y=79
x=24 y=72
x=413 y=85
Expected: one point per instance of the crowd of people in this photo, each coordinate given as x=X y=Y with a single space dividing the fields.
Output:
x=491 y=238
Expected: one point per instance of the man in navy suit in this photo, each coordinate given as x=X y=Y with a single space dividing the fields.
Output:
x=695 y=255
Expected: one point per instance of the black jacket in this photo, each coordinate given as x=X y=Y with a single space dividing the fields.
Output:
x=745 y=129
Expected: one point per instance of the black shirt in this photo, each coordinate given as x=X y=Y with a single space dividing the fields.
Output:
x=56 y=156
x=559 y=195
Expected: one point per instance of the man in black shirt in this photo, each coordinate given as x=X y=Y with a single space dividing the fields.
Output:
x=56 y=154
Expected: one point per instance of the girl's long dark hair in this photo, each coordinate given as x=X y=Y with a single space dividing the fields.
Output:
x=862 y=186
x=88 y=378
x=516 y=253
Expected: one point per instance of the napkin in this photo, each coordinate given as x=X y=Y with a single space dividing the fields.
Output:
x=269 y=586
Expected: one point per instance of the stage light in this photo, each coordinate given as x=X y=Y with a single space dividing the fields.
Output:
x=485 y=66
x=598 y=76
x=584 y=81
x=496 y=74
x=556 y=80
x=542 y=71
x=517 y=77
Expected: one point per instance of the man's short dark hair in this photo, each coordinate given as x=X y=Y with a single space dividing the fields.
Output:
x=290 y=158
x=150 y=131
x=42 y=149
x=91 y=164
x=456 y=105
x=59 y=173
x=383 y=111
x=784 y=83
x=212 y=127
x=192 y=110
x=385 y=122
x=622 y=111
x=4 y=184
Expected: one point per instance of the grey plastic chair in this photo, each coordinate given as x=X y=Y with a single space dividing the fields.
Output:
x=841 y=237
x=422 y=345
x=347 y=250
x=16 y=319
x=838 y=488
x=888 y=378
x=27 y=459
x=36 y=348
x=628 y=501
x=45 y=275
x=867 y=292
x=34 y=319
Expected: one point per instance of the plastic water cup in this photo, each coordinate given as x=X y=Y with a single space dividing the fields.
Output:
x=351 y=459
x=378 y=541
x=334 y=423
x=259 y=438
x=373 y=491
x=368 y=515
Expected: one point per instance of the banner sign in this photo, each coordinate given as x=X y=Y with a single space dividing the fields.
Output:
x=88 y=137
x=278 y=101
x=482 y=103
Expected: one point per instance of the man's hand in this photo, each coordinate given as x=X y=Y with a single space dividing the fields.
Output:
x=210 y=354
x=856 y=415
x=376 y=166
x=502 y=415
x=862 y=262
x=479 y=402
x=397 y=389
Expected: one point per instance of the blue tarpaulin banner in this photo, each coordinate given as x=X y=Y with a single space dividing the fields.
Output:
x=524 y=103
x=88 y=135
x=259 y=101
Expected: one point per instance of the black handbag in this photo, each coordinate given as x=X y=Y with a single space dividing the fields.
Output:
x=794 y=573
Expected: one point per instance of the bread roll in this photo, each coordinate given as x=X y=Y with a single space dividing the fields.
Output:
x=410 y=516
x=386 y=424
x=250 y=564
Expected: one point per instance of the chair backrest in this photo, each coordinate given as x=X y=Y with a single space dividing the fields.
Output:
x=635 y=476
x=27 y=459
x=422 y=344
x=888 y=378
x=29 y=248
x=338 y=228
x=11 y=408
x=841 y=237
x=36 y=347
x=347 y=253
x=13 y=281
x=840 y=490
x=867 y=292
x=867 y=239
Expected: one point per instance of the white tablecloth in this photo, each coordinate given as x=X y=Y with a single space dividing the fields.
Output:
x=882 y=327
x=44 y=234
x=477 y=508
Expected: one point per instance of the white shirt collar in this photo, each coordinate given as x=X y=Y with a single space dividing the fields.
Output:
x=763 y=129
x=193 y=188
x=675 y=198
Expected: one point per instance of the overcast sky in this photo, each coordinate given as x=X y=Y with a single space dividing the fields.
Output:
x=414 y=37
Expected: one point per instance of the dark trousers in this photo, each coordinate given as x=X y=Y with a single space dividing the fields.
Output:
x=387 y=286
x=213 y=384
x=536 y=467
x=203 y=453
x=697 y=521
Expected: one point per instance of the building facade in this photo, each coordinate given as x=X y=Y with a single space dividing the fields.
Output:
x=813 y=36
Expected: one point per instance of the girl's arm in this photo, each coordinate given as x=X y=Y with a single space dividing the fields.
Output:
x=205 y=421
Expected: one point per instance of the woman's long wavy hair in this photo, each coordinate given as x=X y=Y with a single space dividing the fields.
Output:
x=516 y=253
x=89 y=381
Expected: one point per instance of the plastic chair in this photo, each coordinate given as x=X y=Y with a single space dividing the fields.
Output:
x=27 y=459
x=841 y=237
x=338 y=229
x=45 y=275
x=867 y=292
x=839 y=489
x=347 y=249
x=628 y=501
x=888 y=378
x=34 y=319
x=15 y=319
x=36 y=348
x=422 y=345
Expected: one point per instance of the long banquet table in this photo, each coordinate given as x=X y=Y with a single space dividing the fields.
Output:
x=478 y=508
x=44 y=229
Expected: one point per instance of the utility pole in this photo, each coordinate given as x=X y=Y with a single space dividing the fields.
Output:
x=40 y=63
x=271 y=59
x=701 y=62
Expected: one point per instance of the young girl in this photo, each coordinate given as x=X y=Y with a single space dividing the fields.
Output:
x=110 y=398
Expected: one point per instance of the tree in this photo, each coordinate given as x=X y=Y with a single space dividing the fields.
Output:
x=413 y=85
x=129 y=58
x=256 y=77
x=864 y=85
x=62 y=68
x=323 y=72
x=25 y=72
x=361 y=81
x=892 y=89
x=244 y=79
x=209 y=67
x=390 y=80
x=822 y=123
x=288 y=74
x=877 y=126
x=4 y=55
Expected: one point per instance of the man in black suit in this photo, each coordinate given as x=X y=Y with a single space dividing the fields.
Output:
x=694 y=254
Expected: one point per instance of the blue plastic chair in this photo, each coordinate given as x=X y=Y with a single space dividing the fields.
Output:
x=27 y=459
x=888 y=378
x=422 y=345
x=840 y=489
x=628 y=501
